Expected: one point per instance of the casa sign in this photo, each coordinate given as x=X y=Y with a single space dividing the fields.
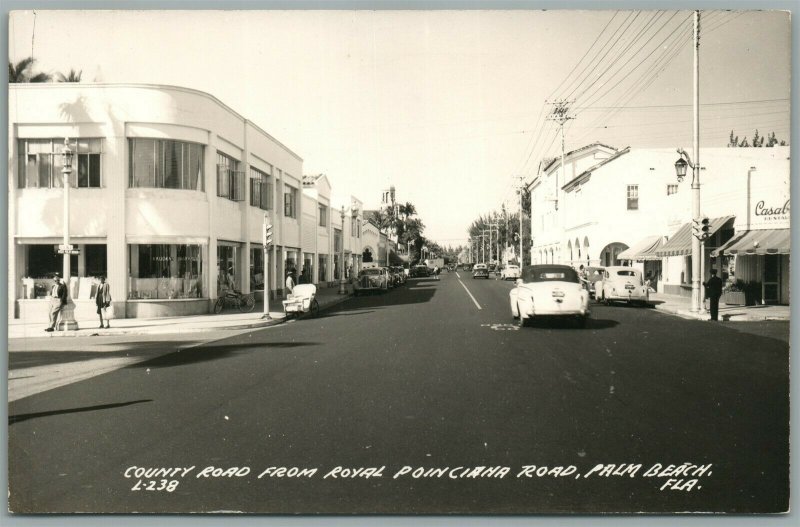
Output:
x=771 y=212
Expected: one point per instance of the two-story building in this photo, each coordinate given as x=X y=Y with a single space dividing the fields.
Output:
x=613 y=207
x=170 y=188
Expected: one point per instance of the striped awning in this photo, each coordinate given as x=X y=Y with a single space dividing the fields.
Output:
x=766 y=241
x=642 y=248
x=681 y=242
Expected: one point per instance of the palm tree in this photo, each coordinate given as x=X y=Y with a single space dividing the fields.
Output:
x=72 y=76
x=21 y=72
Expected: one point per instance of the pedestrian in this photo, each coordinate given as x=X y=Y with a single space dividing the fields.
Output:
x=103 y=301
x=289 y=283
x=436 y=272
x=714 y=291
x=58 y=299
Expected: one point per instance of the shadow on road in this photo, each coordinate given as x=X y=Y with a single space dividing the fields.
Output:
x=415 y=291
x=142 y=348
x=25 y=417
x=211 y=352
x=571 y=324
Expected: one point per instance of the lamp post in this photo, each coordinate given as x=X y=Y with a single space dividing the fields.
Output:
x=342 y=286
x=680 y=170
x=266 y=242
x=67 y=315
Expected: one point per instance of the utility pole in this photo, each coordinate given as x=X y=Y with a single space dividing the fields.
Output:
x=698 y=250
x=560 y=114
x=520 y=186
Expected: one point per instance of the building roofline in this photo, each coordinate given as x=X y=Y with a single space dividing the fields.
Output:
x=577 y=150
x=588 y=172
x=61 y=85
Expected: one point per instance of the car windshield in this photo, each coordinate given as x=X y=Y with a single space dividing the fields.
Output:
x=630 y=274
x=371 y=272
x=545 y=273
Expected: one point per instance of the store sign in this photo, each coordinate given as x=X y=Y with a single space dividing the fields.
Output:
x=771 y=212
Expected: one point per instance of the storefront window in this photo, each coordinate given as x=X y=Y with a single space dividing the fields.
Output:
x=42 y=261
x=322 y=268
x=257 y=269
x=161 y=271
x=290 y=265
x=227 y=268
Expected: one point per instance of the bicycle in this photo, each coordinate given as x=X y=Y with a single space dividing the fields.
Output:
x=244 y=302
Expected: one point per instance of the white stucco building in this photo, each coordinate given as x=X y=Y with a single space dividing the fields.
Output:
x=615 y=206
x=170 y=187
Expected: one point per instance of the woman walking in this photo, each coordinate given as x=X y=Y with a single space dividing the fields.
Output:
x=103 y=301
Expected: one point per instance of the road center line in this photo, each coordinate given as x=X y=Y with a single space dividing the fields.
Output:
x=470 y=294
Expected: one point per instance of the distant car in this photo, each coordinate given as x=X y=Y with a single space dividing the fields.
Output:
x=510 y=272
x=549 y=290
x=623 y=284
x=399 y=275
x=466 y=267
x=480 y=271
x=372 y=279
x=592 y=275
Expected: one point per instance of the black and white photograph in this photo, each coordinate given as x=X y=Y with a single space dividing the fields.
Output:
x=399 y=261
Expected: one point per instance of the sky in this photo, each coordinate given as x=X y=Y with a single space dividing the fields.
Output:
x=447 y=106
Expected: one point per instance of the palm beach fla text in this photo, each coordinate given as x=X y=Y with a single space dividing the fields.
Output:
x=676 y=477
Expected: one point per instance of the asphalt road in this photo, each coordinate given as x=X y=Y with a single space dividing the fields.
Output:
x=416 y=379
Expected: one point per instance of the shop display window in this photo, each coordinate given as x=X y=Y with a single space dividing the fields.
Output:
x=165 y=272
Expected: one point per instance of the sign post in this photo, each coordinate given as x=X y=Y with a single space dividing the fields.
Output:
x=266 y=242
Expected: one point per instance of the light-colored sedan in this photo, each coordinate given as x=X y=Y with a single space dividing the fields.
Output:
x=549 y=291
x=624 y=284
x=372 y=279
x=510 y=272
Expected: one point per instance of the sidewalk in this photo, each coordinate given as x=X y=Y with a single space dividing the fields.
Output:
x=679 y=305
x=229 y=319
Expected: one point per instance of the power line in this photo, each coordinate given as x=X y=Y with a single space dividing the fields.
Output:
x=761 y=101
x=585 y=54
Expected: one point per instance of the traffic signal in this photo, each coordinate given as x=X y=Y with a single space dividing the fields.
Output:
x=701 y=228
x=705 y=228
x=267 y=234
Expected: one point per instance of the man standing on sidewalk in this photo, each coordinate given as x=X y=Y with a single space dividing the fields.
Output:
x=57 y=301
x=714 y=291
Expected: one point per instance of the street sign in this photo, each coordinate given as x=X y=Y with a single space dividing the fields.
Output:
x=68 y=247
x=69 y=251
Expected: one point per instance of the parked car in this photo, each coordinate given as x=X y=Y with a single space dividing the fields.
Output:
x=549 y=290
x=622 y=284
x=510 y=272
x=480 y=271
x=592 y=275
x=420 y=271
x=372 y=279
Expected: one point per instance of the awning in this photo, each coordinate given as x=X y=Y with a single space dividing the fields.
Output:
x=766 y=241
x=644 y=246
x=681 y=242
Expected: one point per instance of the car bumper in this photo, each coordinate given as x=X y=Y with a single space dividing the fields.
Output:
x=628 y=298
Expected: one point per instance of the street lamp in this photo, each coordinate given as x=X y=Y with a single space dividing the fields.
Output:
x=67 y=315
x=680 y=166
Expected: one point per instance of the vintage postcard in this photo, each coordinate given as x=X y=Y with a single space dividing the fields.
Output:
x=399 y=262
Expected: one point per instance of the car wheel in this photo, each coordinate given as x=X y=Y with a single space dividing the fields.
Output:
x=521 y=321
